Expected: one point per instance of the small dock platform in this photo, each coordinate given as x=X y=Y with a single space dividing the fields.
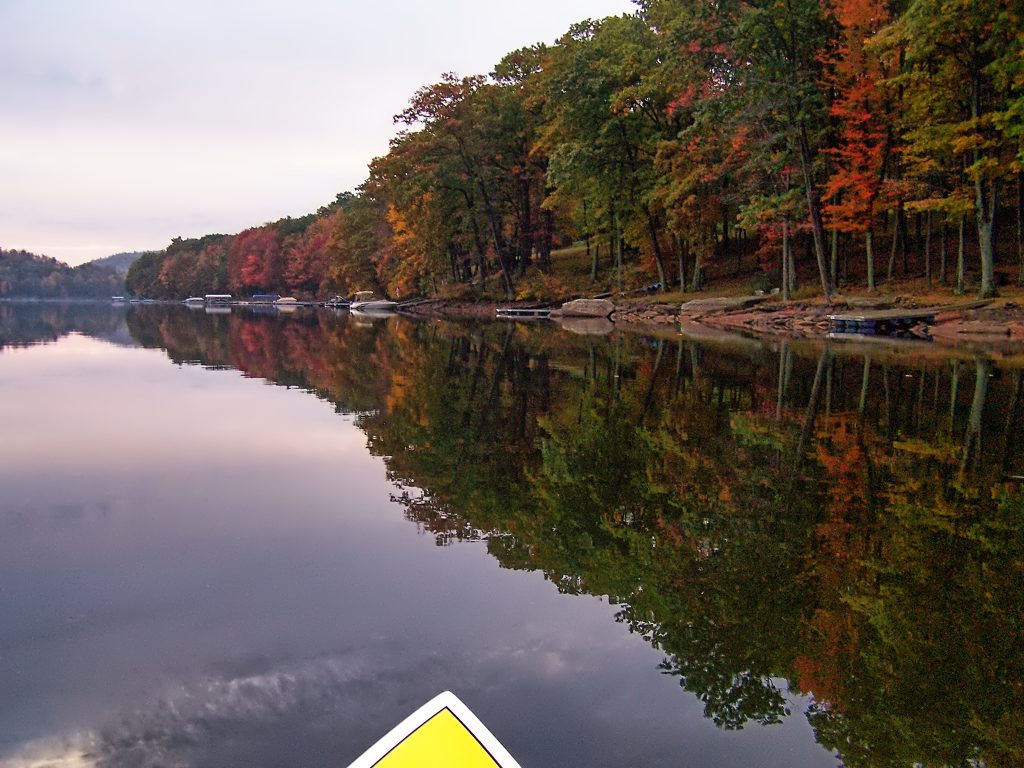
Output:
x=881 y=322
x=893 y=322
x=522 y=312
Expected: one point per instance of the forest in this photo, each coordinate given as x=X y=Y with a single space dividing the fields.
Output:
x=813 y=144
x=26 y=275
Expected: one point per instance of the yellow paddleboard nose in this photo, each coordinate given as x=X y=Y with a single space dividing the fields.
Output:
x=443 y=733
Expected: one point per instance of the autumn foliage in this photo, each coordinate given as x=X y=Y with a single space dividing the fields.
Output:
x=682 y=143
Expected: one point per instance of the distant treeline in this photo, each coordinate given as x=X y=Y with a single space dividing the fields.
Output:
x=118 y=262
x=290 y=255
x=851 y=140
x=26 y=275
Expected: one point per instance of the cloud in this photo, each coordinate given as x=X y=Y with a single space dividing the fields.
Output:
x=325 y=711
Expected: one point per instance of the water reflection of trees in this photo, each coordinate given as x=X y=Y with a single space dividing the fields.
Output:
x=851 y=523
x=24 y=323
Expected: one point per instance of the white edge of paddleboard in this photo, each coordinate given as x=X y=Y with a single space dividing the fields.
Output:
x=442 y=701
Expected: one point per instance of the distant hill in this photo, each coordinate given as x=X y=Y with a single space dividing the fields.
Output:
x=119 y=262
x=26 y=275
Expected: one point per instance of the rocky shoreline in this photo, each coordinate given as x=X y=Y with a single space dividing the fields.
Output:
x=996 y=322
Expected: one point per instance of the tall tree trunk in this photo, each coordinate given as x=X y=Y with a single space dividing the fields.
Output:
x=942 y=252
x=478 y=238
x=814 y=206
x=652 y=233
x=905 y=242
x=791 y=269
x=784 y=261
x=727 y=248
x=1020 y=227
x=453 y=264
x=917 y=239
x=525 y=254
x=681 y=257
x=897 y=236
x=493 y=221
x=869 y=240
x=845 y=248
x=928 y=250
x=502 y=251
x=586 y=232
x=618 y=251
x=834 y=257
x=611 y=252
x=698 y=267
x=506 y=272
x=547 y=236
x=960 y=279
x=985 y=202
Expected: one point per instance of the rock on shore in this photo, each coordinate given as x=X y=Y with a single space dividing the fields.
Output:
x=585 y=308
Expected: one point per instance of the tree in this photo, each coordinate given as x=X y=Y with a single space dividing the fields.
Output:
x=966 y=44
x=305 y=255
x=864 y=116
x=606 y=113
x=450 y=112
x=254 y=260
x=783 y=47
x=359 y=249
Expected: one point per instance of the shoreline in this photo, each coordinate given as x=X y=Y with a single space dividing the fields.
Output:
x=995 y=324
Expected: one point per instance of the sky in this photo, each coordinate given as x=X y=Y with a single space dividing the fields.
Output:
x=125 y=123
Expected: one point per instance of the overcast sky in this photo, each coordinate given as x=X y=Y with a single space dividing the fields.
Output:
x=124 y=123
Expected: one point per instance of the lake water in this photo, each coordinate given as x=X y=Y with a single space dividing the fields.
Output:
x=262 y=540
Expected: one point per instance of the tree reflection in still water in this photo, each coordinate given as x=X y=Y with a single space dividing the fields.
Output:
x=848 y=521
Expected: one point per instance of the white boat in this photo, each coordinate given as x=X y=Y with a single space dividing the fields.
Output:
x=363 y=301
x=443 y=732
x=195 y=300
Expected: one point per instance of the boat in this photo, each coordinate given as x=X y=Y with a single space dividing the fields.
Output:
x=443 y=732
x=364 y=301
x=195 y=301
x=337 y=302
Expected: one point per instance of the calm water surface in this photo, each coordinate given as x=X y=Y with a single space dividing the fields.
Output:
x=255 y=540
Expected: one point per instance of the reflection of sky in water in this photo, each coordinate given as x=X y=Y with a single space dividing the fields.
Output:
x=200 y=569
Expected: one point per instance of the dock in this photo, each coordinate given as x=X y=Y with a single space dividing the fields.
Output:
x=883 y=322
x=890 y=322
x=524 y=313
